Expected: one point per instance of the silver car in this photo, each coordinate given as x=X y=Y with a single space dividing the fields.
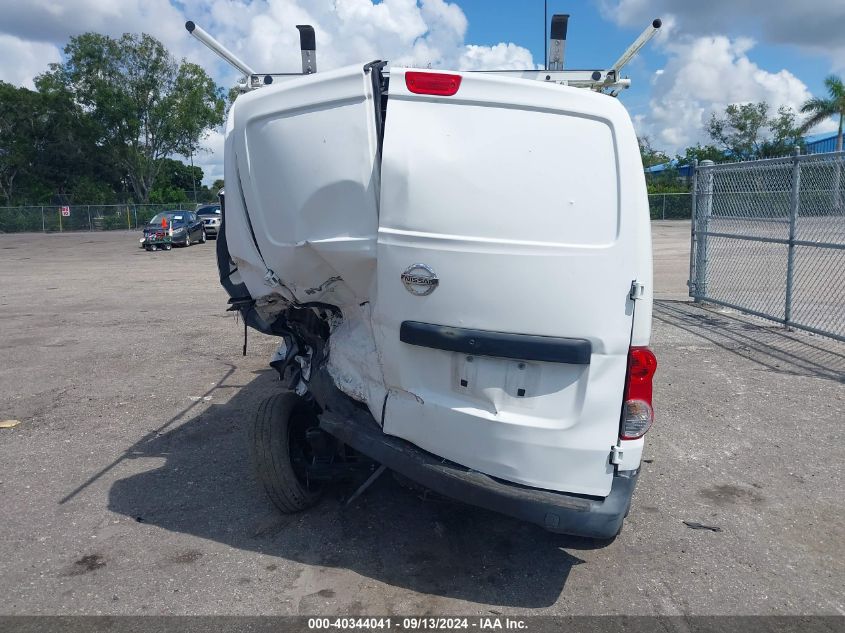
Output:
x=211 y=217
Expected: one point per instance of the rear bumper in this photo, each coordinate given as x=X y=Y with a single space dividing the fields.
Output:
x=210 y=229
x=555 y=511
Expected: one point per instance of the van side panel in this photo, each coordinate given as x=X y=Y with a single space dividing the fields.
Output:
x=241 y=247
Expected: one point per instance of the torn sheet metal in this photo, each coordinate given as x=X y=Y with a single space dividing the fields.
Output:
x=354 y=364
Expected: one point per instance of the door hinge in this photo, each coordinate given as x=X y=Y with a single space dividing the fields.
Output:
x=616 y=455
x=637 y=290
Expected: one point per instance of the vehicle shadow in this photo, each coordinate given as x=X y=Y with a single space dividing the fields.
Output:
x=768 y=344
x=206 y=488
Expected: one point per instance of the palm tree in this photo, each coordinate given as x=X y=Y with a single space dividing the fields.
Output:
x=820 y=109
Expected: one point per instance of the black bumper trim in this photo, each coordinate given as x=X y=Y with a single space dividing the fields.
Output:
x=557 y=512
x=548 y=349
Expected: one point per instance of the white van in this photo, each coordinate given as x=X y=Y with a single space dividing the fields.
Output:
x=459 y=268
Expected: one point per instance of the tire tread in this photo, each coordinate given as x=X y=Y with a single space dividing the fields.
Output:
x=271 y=454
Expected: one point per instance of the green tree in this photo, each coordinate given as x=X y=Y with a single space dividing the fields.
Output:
x=786 y=134
x=16 y=152
x=741 y=130
x=49 y=151
x=746 y=131
x=145 y=105
x=820 y=108
x=168 y=195
x=701 y=152
x=649 y=155
x=176 y=175
x=71 y=161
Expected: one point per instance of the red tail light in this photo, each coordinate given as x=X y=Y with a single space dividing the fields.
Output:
x=637 y=411
x=438 y=84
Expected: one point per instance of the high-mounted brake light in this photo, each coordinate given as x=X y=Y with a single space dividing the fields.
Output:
x=637 y=412
x=439 y=84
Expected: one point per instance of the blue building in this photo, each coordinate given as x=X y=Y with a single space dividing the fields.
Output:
x=820 y=143
x=684 y=171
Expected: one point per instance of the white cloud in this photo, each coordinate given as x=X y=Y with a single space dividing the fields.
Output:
x=54 y=22
x=815 y=27
x=704 y=75
x=709 y=64
x=30 y=59
x=405 y=32
x=503 y=56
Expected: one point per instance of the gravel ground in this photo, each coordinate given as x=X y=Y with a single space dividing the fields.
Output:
x=126 y=488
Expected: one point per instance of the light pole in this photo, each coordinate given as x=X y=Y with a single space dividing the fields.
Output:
x=193 y=176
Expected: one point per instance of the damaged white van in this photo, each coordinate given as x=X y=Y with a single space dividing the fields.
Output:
x=458 y=266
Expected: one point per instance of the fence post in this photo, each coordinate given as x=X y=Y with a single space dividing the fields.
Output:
x=692 y=233
x=664 y=206
x=794 y=204
x=90 y=226
x=43 y=226
x=704 y=209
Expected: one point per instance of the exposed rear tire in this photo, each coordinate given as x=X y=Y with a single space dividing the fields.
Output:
x=280 y=452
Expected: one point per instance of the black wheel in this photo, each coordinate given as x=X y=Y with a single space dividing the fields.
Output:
x=202 y=237
x=187 y=239
x=282 y=453
x=149 y=248
x=167 y=247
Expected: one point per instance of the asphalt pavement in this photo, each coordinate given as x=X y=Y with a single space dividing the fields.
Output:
x=126 y=488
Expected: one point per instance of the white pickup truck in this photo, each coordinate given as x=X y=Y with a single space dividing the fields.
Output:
x=458 y=266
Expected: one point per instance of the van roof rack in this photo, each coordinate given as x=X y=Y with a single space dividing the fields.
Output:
x=605 y=80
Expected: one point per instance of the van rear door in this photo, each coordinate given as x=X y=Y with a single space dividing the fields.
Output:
x=511 y=207
x=302 y=168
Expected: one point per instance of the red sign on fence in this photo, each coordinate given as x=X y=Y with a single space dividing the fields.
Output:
x=66 y=211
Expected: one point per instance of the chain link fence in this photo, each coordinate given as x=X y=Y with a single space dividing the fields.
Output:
x=670 y=206
x=82 y=217
x=768 y=238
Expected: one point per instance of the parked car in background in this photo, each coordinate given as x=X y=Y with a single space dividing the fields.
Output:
x=181 y=228
x=211 y=217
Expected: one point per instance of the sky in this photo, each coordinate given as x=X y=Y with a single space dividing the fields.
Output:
x=706 y=56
